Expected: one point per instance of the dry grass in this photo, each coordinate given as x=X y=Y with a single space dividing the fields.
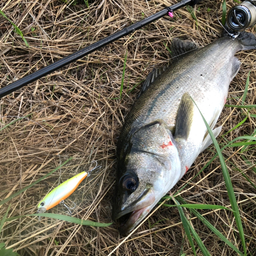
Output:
x=76 y=112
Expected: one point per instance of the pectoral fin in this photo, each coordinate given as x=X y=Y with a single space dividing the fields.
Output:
x=184 y=117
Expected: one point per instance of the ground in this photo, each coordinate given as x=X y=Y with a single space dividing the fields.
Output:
x=78 y=112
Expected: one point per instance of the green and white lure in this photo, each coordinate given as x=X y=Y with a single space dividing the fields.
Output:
x=61 y=192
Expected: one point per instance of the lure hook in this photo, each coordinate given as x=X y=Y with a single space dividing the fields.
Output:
x=69 y=208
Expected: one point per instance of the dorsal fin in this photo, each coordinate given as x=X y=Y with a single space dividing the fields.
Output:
x=156 y=72
x=180 y=47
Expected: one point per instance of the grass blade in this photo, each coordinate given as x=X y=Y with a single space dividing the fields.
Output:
x=168 y=49
x=241 y=106
x=32 y=184
x=72 y=219
x=188 y=226
x=7 y=252
x=211 y=227
x=228 y=183
x=245 y=176
x=240 y=144
x=238 y=125
x=252 y=137
x=17 y=30
x=130 y=90
x=193 y=15
x=14 y=121
x=122 y=81
x=213 y=158
x=64 y=218
x=246 y=87
x=224 y=12
x=4 y=218
x=199 y=206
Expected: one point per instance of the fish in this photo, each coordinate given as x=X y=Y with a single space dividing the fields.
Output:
x=61 y=192
x=164 y=132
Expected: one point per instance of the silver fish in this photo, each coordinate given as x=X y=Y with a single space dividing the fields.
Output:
x=164 y=132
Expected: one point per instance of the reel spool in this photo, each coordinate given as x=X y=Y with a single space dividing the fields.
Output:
x=242 y=16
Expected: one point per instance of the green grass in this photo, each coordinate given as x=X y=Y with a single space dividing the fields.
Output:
x=4 y=218
x=210 y=226
x=186 y=225
x=193 y=15
x=244 y=142
x=229 y=185
x=190 y=231
x=122 y=81
x=14 y=121
x=246 y=87
x=64 y=218
x=3 y=251
x=200 y=206
x=236 y=126
x=7 y=252
x=168 y=49
x=86 y=3
x=224 y=12
x=241 y=106
x=130 y=90
x=17 y=30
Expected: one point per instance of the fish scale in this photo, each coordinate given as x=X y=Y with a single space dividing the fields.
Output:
x=164 y=132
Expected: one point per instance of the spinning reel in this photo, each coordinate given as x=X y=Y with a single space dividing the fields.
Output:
x=241 y=17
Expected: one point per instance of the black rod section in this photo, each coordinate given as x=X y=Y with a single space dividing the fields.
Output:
x=81 y=53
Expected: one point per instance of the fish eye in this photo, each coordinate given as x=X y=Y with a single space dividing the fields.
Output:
x=42 y=204
x=130 y=182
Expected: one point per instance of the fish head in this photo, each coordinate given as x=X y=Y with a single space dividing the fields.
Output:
x=149 y=172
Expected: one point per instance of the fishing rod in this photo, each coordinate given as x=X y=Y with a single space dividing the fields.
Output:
x=83 y=52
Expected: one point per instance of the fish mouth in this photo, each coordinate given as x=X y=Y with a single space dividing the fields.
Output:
x=130 y=217
x=129 y=221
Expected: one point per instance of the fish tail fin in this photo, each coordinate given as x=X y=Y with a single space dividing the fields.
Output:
x=247 y=40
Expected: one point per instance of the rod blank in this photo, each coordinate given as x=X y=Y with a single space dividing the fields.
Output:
x=83 y=52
